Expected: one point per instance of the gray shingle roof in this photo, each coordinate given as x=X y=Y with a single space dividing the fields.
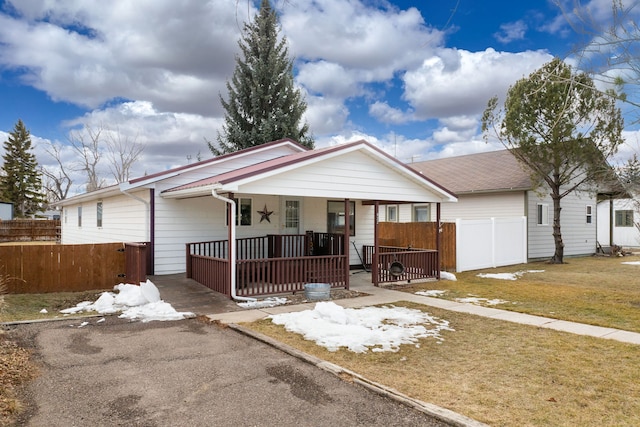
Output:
x=482 y=172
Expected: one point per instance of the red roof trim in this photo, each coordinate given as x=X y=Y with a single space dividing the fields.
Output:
x=217 y=158
x=280 y=162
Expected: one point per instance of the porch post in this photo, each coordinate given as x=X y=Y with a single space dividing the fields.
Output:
x=230 y=246
x=438 y=233
x=376 y=246
x=347 y=236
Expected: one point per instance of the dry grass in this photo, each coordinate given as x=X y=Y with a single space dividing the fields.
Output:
x=15 y=370
x=503 y=374
x=507 y=374
x=594 y=290
x=28 y=306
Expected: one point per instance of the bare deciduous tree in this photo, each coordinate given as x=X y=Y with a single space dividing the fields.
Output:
x=122 y=153
x=94 y=145
x=87 y=146
x=56 y=180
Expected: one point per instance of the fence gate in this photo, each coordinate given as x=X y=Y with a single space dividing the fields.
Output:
x=491 y=242
x=135 y=262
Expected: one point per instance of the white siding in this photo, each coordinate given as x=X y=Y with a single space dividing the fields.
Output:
x=203 y=219
x=486 y=205
x=579 y=237
x=124 y=219
x=628 y=237
x=353 y=175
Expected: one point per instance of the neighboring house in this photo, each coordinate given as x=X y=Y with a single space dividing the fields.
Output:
x=6 y=211
x=619 y=223
x=280 y=188
x=495 y=185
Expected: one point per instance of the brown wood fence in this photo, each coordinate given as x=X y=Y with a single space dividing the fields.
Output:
x=62 y=268
x=23 y=230
x=421 y=235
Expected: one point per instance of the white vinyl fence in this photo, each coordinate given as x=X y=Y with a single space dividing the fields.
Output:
x=492 y=242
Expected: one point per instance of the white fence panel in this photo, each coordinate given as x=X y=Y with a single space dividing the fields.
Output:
x=492 y=242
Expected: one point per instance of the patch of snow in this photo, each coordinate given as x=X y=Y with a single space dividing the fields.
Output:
x=83 y=324
x=101 y=320
x=134 y=303
x=265 y=303
x=44 y=311
x=360 y=329
x=507 y=276
x=445 y=275
x=631 y=262
x=481 y=301
x=431 y=293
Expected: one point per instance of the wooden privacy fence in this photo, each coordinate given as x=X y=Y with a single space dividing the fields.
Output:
x=23 y=230
x=421 y=235
x=62 y=268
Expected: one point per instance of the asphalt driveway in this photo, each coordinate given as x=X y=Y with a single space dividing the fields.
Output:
x=117 y=373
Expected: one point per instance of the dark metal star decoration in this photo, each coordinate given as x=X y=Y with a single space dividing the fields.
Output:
x=265 y=214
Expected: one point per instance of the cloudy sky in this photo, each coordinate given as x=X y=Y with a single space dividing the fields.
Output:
x=411 y=77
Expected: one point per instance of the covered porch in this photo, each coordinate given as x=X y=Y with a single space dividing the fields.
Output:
x=318 y=199
x=279 y=264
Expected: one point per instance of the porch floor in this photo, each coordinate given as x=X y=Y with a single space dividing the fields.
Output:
x=188 y=295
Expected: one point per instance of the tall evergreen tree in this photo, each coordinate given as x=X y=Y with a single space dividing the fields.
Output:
x=21 y=182
x=263 y=103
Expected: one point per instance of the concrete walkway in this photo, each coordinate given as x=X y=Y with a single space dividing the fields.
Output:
x=362 y=282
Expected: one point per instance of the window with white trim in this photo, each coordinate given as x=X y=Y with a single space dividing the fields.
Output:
x=79 y=216
x=392 y=213
x=624 y=218
x=421 y=213
x=543 y=214
x=99 y=214
x=589 y=214
x=243 y=212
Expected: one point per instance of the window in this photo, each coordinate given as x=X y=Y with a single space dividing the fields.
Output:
x=421 y=213
x=392 y=213
x=624 y=218
x=589 y=214
x=79 y=216
x=335 y=217
x=65 y=210
x=99 y=214
x=243 y=211
x=543 y=214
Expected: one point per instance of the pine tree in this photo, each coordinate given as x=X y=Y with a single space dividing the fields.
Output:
x=21 y=182
x=263 y=103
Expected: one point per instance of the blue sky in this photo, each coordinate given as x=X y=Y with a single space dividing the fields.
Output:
x=411 y=77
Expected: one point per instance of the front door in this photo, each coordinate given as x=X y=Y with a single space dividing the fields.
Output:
x=292 y=212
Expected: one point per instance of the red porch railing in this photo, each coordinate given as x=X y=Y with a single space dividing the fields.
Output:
x=272 y=264
x=403 y=264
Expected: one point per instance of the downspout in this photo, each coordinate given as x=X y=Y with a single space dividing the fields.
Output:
x=147 y=216
x=232 y=245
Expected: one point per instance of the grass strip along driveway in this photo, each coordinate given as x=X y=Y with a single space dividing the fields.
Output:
x=507 y=374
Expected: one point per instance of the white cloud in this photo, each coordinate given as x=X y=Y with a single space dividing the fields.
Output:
x=511 y=31
x=461 y=82
x=130 y=50
x=386 y=114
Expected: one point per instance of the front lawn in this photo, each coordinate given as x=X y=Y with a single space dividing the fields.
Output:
x=502 y=373
x=507 y=374
x=596 y=290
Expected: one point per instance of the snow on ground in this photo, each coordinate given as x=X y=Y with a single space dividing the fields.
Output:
x=481 y=301
x=265 y=303
x=507 y=276
x=360 y=329
x=632 y=262
x=134 y=302
x=431 y=293
x=445 y=275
